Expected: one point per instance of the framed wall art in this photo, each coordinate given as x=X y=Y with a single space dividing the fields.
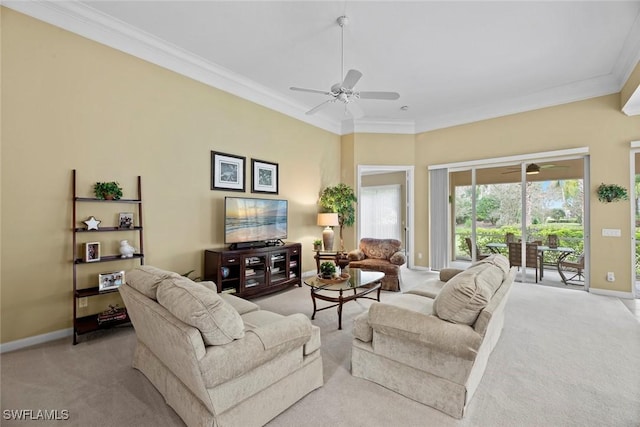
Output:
x=125 y=220
x=227 y=172
x=91 y=251
x=264 y=177
x=109 y=281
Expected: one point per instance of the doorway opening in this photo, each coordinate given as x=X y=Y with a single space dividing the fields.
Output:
x=385 y=204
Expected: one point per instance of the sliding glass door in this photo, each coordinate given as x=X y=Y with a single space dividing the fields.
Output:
x=532 y=212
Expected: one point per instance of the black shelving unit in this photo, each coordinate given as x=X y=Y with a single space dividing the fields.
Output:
x=86 y=324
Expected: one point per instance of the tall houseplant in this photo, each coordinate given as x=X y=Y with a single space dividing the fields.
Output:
x=340 y=199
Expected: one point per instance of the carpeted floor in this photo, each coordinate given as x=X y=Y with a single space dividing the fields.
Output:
x=565 y=358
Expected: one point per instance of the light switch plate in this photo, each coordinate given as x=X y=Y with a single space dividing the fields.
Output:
x=611 y=232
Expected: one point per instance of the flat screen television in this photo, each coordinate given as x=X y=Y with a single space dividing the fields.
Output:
x=253 y=222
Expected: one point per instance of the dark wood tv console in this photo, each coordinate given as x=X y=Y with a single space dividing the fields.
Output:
x=252 y=272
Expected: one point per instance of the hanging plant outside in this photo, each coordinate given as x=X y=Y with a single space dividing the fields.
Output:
x=608 y=193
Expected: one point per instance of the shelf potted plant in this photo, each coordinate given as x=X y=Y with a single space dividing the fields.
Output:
x=317 y=245
x=608 y=193
x=340 y=199
x=107 y=190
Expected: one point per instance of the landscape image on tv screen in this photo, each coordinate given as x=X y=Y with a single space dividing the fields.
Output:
x=254 y=220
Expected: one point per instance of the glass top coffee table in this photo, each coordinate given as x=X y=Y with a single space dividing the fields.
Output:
x=361 y=283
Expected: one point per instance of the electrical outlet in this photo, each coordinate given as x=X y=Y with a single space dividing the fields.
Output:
x=83 y=302
x=419 y=255
x=611 y=277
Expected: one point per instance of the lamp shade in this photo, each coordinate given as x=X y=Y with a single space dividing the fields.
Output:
x=328 y=219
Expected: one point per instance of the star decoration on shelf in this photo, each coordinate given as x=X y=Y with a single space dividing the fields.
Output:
x=92 y=223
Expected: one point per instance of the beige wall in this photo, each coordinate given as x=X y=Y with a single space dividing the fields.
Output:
x=70 y=103
x=596 y=123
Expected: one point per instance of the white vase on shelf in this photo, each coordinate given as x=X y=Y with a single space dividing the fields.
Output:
x=126 y=250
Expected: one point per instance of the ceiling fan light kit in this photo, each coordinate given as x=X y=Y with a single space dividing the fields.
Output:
x=344 y=92
x=534 y=169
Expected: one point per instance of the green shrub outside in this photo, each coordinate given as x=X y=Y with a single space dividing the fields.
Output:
x=569 y=235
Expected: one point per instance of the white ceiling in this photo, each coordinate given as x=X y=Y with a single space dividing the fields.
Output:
x=452 y=62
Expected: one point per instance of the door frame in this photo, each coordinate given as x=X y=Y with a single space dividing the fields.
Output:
x=635 y=149
x=409 y=204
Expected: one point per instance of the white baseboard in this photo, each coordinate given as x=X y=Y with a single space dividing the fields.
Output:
x=420 y=268
x=607 y=293
x=38 y=339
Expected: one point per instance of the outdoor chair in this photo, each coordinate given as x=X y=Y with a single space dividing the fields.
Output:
x=532 y=256
x=572 y=267
x=479 y=255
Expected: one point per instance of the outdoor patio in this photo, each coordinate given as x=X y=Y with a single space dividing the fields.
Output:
x=551 y=276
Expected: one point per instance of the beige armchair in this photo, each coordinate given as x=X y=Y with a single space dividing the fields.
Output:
x=383 y=255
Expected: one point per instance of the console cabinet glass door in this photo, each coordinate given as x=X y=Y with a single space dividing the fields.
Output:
x=279 y=270
x=255 y=271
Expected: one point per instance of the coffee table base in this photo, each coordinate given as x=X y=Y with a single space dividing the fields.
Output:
x=341 y=299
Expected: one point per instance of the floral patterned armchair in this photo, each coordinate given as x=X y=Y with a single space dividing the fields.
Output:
x=383 y=255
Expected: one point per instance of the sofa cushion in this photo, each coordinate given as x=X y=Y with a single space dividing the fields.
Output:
x=465 y=295
x=379 y=248
x=218 y=322
x=145 y=279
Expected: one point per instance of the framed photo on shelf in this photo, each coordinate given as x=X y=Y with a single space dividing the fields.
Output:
x=227 y=172
x=91 y=252
x=125 y=220
x=109 y=281
x=264 y=177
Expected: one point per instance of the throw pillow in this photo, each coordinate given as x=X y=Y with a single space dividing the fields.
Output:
x=398 y=258
x=463 y=297
x=145 y=279
x=498 y=260
x=194 y=304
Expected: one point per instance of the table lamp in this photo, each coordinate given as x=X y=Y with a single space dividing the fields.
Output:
x=328 y=220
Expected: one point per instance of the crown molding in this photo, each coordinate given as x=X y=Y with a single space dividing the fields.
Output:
x=578 y=91
x=406 y=127
x=632 y=107
x=86 y=21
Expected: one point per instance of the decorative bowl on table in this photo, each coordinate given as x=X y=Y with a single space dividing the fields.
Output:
x=334 y=279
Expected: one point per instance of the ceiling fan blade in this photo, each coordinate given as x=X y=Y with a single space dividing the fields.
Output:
x=355 y=110
x=351 y=79
x=300 y=89
x=379 y=95
x=320 y=106
x=552 y=166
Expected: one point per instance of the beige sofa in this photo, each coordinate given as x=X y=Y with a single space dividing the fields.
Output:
x=432 y=343
x=383 y=255
x=218 y=360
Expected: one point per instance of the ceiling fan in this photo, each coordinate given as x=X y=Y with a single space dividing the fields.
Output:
x=533 y=168
x=344 y=92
